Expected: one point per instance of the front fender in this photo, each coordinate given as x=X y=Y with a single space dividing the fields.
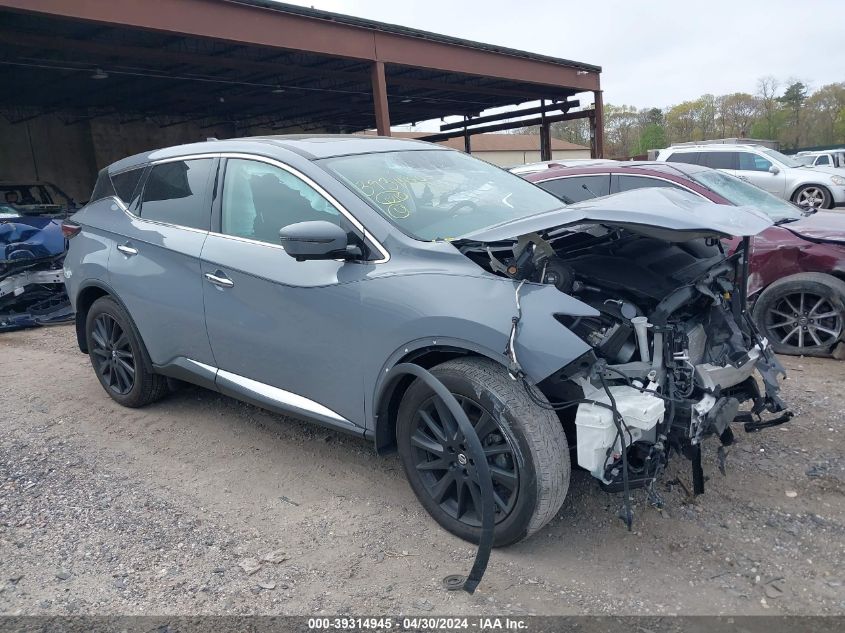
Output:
x=471 y=313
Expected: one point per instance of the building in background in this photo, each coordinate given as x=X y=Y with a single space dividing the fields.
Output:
x=508 y=150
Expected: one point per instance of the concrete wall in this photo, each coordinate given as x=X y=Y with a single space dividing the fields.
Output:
x=70 y=156
x=47 y=149
x=510 y=158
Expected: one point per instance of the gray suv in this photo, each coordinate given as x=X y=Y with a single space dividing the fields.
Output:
x=296 y=273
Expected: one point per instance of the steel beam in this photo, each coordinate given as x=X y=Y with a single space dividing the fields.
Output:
x=512 y=125
x=597 y=127
x=501 y=116
x=382 y=110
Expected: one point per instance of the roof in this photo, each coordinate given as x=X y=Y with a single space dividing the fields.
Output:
x=386 y=27
x=674 y=171
x=229 y=65
x=716 y=147
x=310 y=146
x=495 y=142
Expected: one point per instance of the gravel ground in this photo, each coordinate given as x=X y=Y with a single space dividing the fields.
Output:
x=203 y=505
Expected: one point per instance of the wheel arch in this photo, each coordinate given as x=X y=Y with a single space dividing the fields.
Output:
x=85 y=298
x=390 y=391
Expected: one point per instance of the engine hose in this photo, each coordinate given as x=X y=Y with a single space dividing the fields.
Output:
x=619 y=422
x=485 y=480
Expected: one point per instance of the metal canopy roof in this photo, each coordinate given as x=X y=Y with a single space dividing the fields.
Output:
x=253 y=63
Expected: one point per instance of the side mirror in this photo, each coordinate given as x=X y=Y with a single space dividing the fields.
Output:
x=316 y=240
x=774 y=170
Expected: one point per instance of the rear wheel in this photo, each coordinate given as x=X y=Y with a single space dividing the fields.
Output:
x=119 y=357
x=803 y=314
x=525 y=446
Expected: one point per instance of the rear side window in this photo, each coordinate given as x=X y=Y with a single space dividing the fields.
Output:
x=693 y=158
x=126 y=184
x=103 y=187
x=626 y=183
x=720 y=160
x=572 y=189
x=175 y=192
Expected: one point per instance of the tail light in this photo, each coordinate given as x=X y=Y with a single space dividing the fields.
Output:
x=70 y=229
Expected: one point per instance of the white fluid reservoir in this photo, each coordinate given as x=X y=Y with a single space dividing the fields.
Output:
x=596 y=431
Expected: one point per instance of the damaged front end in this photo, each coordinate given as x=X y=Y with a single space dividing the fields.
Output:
x=32 y=289
x=674 y=353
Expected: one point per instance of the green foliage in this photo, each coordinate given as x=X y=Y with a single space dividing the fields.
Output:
x=653 y=137
x=794 y=117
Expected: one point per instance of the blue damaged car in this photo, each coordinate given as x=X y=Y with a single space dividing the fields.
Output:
x=32 y=290
x=295 y=272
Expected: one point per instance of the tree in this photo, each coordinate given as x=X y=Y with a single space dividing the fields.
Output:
x=653 y=137
x=736 y=113
x=767 y=91
x=792 y=99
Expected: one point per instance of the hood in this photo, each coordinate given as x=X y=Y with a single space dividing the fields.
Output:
x=26 y=238
x=823 y=226
x=828 y=169
x=662 y=213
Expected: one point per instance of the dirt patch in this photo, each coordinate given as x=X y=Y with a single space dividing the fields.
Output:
x=202 y=505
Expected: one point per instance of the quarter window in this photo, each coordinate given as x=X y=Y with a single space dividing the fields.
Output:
x=259 y=199
x=572 y=189
x=626 y=183
x=753 y=162
x=126 y=184
x=175 y=192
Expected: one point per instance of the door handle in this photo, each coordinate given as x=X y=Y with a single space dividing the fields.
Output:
x=222 y=282
x=127 y=250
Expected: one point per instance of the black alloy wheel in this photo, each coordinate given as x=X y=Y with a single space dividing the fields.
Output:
x=119 y=356
x=446 y=470
x=804 y=319
x=115 y=362
x=803 y=314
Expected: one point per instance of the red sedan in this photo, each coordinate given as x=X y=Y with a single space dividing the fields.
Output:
x=797 y=281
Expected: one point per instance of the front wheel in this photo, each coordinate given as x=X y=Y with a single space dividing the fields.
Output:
x=525 y=445
x=802 y=314
x=814 y=196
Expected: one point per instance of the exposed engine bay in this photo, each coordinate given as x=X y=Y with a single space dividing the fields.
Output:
x=674 y=358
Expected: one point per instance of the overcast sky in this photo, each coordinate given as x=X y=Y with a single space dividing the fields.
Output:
x=652 y=52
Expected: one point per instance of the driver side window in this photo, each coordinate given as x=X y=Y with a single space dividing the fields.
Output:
x=259 y=199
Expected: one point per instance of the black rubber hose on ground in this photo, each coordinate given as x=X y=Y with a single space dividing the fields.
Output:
x=479 y=458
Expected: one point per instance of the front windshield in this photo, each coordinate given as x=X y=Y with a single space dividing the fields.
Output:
x=436 y=194
x=782 y=158
x=805 y=160
x=739 y=192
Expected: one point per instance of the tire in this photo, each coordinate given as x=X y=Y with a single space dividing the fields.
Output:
x=527 y=447
x=811 y=328
x=118 y=356
x=815 y=196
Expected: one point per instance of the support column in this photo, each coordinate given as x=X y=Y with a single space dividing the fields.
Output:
x=467 y=142
x=382 y=111
x=597 y=127
x=545 y=135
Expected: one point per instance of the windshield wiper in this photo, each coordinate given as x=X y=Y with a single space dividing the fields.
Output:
x=786 y=221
